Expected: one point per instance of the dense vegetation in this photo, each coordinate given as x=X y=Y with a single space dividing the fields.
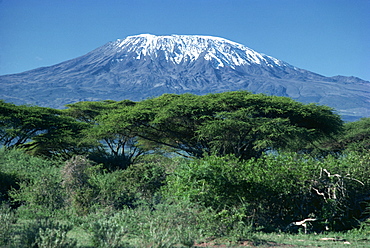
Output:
x=178 y=170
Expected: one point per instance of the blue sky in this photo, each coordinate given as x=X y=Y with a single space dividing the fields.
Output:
x=329 y=37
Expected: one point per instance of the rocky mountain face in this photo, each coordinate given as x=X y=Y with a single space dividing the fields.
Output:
x=144 y=66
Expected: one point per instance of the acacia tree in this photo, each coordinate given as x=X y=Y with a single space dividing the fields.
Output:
x=18 y=124
x=237 y=123
x=120 y=148
x=268 y=122
x=354 y=137
x=40 y=130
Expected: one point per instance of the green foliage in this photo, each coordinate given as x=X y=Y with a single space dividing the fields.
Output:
x=107 y=233
x=115 y=149
x=214 y=181
x=39 y=130
x=118 y=133
x=163 y=225
x=7 y=219
x=89 y=111
x=89 y=186
x=355 y=137
x=54 y=238
x=76 y=173
x=18 y=124
x=64 y=142
x=41 y=195
x=276 y=190
x=239 y=178
x=238 y=123
x=110 y=190
x=329 y=190
x=31 y=181
x=46 y=233
x=7 y=182
x=16 y=162
x=269 y=192
x=145 y=179
x=139 y=182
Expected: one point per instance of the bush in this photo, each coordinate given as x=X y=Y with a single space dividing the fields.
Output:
x=46 y=233
x=30 y=181
x=76 y=174
x=161 y=225
x=145 y=179
x=213 y=182
x=139 y=182
x=276 y=190
x=109 y=189
x=7 y=182
x=23 y=166
x=7 y=220
x=107 y=233
x=54 y=238
x=167 y=225
x=40 y=194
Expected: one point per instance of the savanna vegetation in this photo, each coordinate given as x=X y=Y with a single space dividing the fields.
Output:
x=230 y=169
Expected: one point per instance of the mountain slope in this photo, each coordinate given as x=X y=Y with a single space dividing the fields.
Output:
x=146 y=65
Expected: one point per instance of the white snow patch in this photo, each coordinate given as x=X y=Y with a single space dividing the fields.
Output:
x=188 y=48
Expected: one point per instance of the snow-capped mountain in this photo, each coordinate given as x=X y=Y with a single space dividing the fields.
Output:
x=143 y=66
x=186 y=49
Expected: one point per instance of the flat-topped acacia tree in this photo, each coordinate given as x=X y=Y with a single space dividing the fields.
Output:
x=239 y=123
x=120 y=146
x=40 y=130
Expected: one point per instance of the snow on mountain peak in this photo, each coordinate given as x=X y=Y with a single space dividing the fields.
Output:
x=188 y=48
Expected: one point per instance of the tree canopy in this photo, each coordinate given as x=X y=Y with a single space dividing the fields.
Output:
x=121 y=147
x=45 y=131
x=354 y=137
x=239 y=123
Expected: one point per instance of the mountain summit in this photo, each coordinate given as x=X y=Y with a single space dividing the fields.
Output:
x=146 y=65
x=180 y=49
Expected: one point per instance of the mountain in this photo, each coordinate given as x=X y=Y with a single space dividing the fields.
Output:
x=143 y=66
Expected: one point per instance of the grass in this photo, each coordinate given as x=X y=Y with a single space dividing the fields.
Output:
x=260 y=239
x=263 y=240
x=353 y=238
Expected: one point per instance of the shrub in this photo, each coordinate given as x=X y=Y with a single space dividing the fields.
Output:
x=276 y=190
x=7 y=182
x=23 y=166
x=46 y=233
x=7 y=220
x=30 y=181
x=139 y=182
x=144 y=179
x=41 y=193
x=149 y=225
x=76 y=173
x=161 y=225
x=213 y=182
x=54 y=238
x=109 y=189
x=107 y=233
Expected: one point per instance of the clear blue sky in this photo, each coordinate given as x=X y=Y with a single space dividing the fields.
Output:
x=329 y=37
